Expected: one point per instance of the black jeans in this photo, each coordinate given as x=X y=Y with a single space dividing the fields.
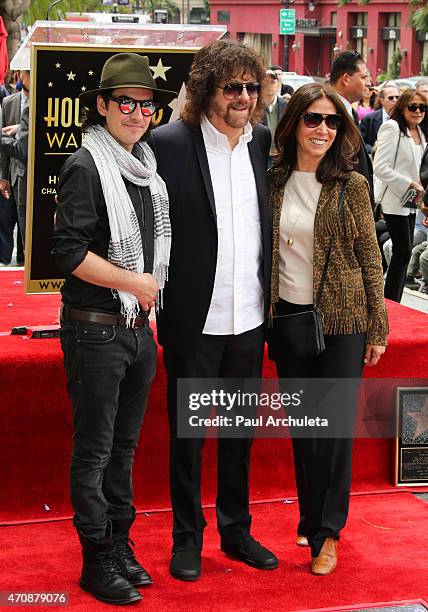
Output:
x=401 y=230
x=323 y=466
x=109 y=370
x=238 y=356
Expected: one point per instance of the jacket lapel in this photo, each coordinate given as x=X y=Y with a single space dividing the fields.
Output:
x=260 y=174
x=202 y=158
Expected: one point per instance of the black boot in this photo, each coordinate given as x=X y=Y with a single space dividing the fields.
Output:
x=102 y=573
x=132 y=570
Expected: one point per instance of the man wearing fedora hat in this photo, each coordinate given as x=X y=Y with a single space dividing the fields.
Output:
x=112 y=241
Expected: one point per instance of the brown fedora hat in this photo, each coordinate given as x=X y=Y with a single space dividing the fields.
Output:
x=127 y=70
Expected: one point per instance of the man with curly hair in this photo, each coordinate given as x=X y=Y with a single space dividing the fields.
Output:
x=214 y=163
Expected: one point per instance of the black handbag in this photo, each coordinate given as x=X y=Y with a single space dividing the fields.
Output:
x=302 y=333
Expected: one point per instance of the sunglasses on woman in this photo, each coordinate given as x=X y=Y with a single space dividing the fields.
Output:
x=232 y=91
x=128 y=105
x=414 y=107
x=313 y=120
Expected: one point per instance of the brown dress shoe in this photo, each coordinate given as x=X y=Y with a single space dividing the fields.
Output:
x=326 y=561
x=302 y=540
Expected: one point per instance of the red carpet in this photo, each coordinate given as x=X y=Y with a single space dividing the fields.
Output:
x=36 y=419
x=382 y=557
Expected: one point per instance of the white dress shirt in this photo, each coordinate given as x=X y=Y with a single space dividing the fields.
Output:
x=237 y=299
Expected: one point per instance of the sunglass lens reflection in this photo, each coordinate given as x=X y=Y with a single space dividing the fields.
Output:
x=234 y=90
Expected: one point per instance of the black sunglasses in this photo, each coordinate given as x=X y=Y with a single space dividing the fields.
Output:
x=313 y=120
x=414 y=107
x=232 y=91
x=128 y=105
x=392 y=98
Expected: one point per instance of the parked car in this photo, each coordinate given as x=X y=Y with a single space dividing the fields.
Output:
x=403 y=82
x=295 y=80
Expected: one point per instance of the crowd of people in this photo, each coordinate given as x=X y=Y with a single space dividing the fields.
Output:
x=186 y=218
x=14 y=113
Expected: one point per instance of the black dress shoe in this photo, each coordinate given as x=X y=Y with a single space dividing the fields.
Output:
x=186 y=565
x=252 y=553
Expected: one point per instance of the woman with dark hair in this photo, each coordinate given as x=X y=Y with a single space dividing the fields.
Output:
x=366 y=104
x=401 y=143
x=325 y=256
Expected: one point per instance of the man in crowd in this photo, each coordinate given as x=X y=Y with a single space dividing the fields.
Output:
x=112 y=242
x=422 y=87
x=275 y=108
x=12 y=211
x=16 y=146
x=348 y=77
x=214 y=164
x=370 y=124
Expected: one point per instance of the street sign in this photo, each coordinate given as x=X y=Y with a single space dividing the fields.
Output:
x=287 y=21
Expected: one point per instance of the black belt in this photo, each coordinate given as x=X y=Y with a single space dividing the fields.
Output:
x=88 y=316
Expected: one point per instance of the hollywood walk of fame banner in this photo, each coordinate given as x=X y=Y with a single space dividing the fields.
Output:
x=59 y=74
x=411 y=443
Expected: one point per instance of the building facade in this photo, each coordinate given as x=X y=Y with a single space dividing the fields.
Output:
x=378 y=29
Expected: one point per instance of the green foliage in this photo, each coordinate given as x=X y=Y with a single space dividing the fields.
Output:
x=343 y=2
x=38 y=9
x=424 y=67
x=382 y=77
x=393 y=71
x=151 y=5
x=207 y=9
x=420 y=19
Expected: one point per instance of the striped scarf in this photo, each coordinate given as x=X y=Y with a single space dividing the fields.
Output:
x=126 y=249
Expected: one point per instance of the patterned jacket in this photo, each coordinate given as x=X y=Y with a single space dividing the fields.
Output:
x=352 y=299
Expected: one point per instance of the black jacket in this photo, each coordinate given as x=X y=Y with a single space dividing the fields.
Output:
x=364 y=165
x=369 y=127
x=183 y=164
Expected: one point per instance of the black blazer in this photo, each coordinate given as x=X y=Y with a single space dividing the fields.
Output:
x=183 y=165
x=369 y=127
x=364 y=165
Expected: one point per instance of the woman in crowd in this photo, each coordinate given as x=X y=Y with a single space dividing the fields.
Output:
x=317 y=140
x=400 y=146
x=366 y=104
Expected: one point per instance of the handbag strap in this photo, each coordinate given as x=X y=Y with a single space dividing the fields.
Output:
x=327 y=259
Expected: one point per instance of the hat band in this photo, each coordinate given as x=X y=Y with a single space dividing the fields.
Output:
x=130 y=78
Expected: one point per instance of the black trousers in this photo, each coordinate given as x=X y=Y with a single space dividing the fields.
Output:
x=239 y=356
x=8 y=220
x=401 y=231
x=323 y=466
x=109 y=371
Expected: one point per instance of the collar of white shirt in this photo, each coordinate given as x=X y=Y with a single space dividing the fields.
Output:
x=385 y=116
x=217 y=139
x=272 y=106
x=347 y=104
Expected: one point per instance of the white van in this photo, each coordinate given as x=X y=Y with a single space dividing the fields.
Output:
x=295 y=80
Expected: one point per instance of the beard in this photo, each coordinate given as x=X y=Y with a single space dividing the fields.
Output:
x=233 y=118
